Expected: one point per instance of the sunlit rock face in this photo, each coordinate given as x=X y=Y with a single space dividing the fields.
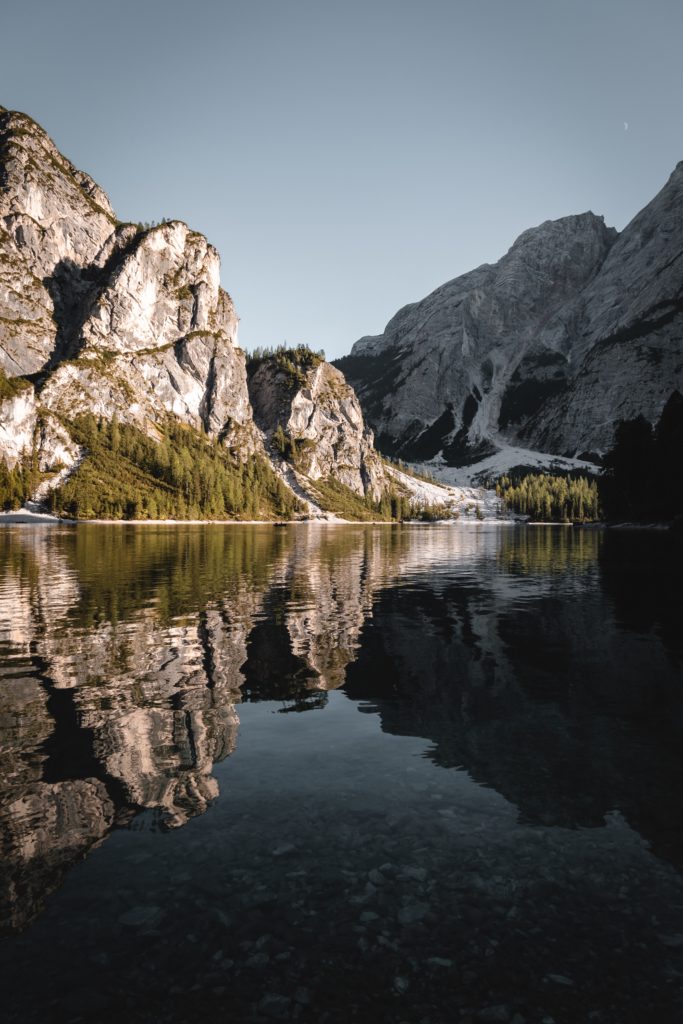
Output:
x=323 y=415
x=160 y=337
x=112 y=317
x=54 y=222
x=23 y=423
x=575 y=328
x=18 y=417
x=106 y=317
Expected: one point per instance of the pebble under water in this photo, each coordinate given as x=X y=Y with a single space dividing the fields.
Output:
x=333 y=774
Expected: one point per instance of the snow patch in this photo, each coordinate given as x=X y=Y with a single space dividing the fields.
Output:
x=23 y=516
x=502 y=462
x=475 y=503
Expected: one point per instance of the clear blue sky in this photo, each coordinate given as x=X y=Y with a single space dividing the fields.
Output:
x=347 y=157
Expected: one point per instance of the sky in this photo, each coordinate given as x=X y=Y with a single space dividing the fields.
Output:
x=348 y=157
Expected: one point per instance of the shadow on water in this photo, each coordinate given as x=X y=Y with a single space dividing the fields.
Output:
x=565 y=699
x=535 y=675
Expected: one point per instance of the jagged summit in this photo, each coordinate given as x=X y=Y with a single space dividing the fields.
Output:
x=21 y=131
x=577 y=326
x=437 y=379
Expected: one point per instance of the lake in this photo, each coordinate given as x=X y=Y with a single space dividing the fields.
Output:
x=428 y=774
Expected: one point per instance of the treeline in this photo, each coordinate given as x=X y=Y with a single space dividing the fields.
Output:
x=294 y=362
x=184 y=475
x=551 y=499
x=642 y=478
x=18 y=483
x=145 y=225
x=394 y=505
x=643 y=475
x=10 y=387
x=333 y=496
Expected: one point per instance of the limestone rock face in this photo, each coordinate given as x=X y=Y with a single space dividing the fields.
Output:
x=159 y=338
x=575 y=328
x=103 y=317
x=163 y=288
x=27 y=329
x=54 y=221
x=436 y=380
x=18 y=420
x=22 y=427
x=322 y=416
x=109 y=317
x=628 y=335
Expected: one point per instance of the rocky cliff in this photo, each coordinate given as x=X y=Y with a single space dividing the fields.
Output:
x=102 y=316
x=112 y=319
x=307 y=411
x=627 y=336
x=575 y=328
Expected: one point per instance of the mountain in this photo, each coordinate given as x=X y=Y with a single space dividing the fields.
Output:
x=123 y=389
x=575 y=328
x=101 y=316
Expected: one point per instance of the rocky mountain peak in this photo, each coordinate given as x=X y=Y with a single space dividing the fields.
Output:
x=102 y=319
x=495 y=357
x=39 y=186
x=626 y=331
x=104 y=316
x=305 y=406
x=436 y=379
x=552 y=236
x=54 y=224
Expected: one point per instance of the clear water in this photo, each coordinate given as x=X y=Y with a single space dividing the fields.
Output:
x=427 y=774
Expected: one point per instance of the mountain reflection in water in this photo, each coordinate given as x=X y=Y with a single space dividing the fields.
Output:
x=545 y=663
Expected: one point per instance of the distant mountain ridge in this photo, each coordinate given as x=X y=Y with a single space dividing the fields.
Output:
x=577 y=327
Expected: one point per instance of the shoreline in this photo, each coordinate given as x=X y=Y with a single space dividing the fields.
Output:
x=24 y=517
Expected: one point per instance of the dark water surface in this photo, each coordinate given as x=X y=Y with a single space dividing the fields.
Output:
x=420 y=774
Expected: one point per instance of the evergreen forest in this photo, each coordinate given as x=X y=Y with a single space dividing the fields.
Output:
x=183 y=475
x=551 y=499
